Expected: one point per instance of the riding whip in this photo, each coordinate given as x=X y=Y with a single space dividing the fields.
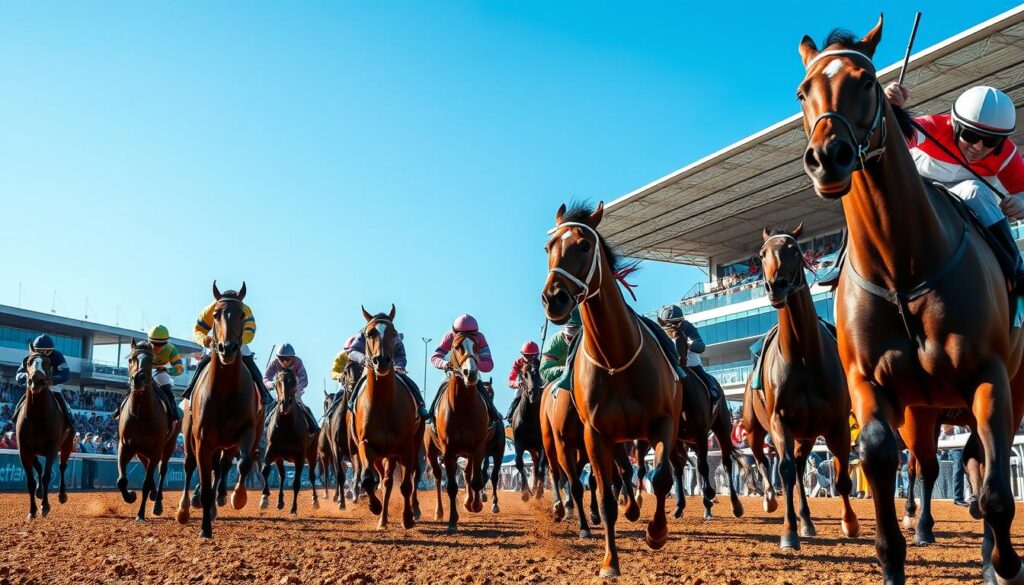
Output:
x=910 y=47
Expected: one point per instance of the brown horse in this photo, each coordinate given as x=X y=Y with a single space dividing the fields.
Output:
x=525 y=422
x=339 y=435
x=804 y=390
x=623 y=384
x=460 y=429
x=385 y=424
x=288 y=439
x=494 y=455
x=146 y=431
x=225 y=415
x=325 y=456
x=923 y=308
x=41 y=431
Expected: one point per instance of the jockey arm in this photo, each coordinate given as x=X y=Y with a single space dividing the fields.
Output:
x=484 y=361
x=693 y=338
x=401 y=361
x=552 y=363
x=439 y=359
x=201 y=331
x=268 y=376
x=301 y=379
x=340 y=361
x=357 y=353
x=61 y=371
x=513 y=376
x=175 y=365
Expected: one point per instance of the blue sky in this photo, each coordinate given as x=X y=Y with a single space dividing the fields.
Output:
x=333 y=154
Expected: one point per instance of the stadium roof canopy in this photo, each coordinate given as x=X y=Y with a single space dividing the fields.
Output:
x=713 y=210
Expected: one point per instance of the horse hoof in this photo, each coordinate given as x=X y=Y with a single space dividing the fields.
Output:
x=584 y=533
x=570 y=513
x=205 y=534
x=45 y=510
x=526 y=496
x=264 y=503
x=182 y=516
x=316 y=505
x=633 y=512
x=130 y=497
x=450 y=530
x=222 y=501
x=656 y=537
x=1018 y=579
x=770 y=505
x=852 y=528
x=408 y=523
x=909 y=522
x=158 y=508
x=62 y=498
x=213 y=513
x=609 y=572
x=494 y=508
x=595 y=519
x=789 y=542
x=559 y=511
x=924 y=540
x=31 y=515
x=39 y=492
x=140 y=518
x=707 y=514
x=280 y=505
x=975 y=510
x=807 y=530
x=678 y=513
x=375 y=507
x=478 y=507
x=294 y=512
x=737 y=509
x=483 y=497
x=196 y=502
x=238 y=499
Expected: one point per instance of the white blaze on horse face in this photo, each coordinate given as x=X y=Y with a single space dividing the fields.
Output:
x=832 y=68
x=381 y=329
x=469 y=366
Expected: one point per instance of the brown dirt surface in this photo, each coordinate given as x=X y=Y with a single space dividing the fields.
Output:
x=94 y=539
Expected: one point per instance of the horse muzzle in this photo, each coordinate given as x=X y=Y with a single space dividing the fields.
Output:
x=558 y=303
x=830 y=166
x=228 y=351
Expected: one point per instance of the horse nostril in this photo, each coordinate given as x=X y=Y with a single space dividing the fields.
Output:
x=842 y=154
x=811 y=162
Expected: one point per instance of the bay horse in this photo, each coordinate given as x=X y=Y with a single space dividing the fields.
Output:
x=342 y=442
x=460 y=429
x=225 y=415
x=624 y=386
x=324 y=455
x=525 y=422
x=385 y=423
x=494 y=455
x=146 y=430
x=289 y=439
x=923 y=308
x=804 y=390
x=41 y=431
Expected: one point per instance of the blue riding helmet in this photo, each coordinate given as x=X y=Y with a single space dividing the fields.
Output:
x=43 y=342
x=285 y=350
x=670 y=313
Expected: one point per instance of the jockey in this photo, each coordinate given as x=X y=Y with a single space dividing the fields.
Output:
x=341 y=360
x=529 y=353
x=201 y=335
x=465 y=324
x=61 y=374
x=285 y=359
x=167 y=362
x=977 y=128
x=552 y=364
x=671 y=317
x=357 y=354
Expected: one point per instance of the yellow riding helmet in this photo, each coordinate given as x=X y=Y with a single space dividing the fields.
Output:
x=159 y=334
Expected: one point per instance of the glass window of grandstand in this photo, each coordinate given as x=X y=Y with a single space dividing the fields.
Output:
x=755 y=322
x=20 y=338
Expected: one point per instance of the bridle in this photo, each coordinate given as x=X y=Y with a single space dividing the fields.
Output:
x=134 y=356
x=800 y=282
x=864 y=151
x=454 y=362
x=215 y=348
x=372 y=323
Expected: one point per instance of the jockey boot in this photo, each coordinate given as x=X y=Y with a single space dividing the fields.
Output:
x=512 y=407
x=187 y=394
x=311 y=422
x=65 y=410
x=437 y=398
x=1008 y=255
x=168 y=397
x=257 y=379
x=709 y=382
x=492 y=411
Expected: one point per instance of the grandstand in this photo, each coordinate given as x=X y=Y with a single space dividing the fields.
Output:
x=710 y=213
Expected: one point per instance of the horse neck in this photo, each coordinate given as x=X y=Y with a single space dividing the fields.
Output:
x=895 y=236
x=609 y=329
x=141 y=402
x=381 y=389
x=37 y=405
x=228 y=374
x=799 y=334
x=460 y=394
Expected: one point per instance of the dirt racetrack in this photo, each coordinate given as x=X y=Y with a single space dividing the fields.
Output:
x=94 y=539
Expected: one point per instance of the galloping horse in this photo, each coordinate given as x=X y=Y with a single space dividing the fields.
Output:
x=525 y=423
x=385 y=423
x=42 y=432
x=494 y=455
x=225 y=415
x=700 y=417
x=623 y=384
x=146 y=430
x=324 y=455
x=923 y=308
x=288 y=438
x=804 y=390
x=460 y=429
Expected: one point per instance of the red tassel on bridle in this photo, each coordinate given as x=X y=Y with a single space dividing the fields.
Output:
x=621 y=275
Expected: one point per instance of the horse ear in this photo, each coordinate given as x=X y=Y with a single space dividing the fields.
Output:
x=134 y=345
x=595 y=217
x=808 y=50
x=765 y=234
x=559 y=214
x=366 y=315
x=798 y=230
x=391 y=314
x=216 y=291
x=241 y=291
x=869 y=43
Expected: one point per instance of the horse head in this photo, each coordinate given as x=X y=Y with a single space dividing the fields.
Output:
x=39 y=368
x=228 y=323
x=575 y=269
x=843 y=109
x=329 y=398
x=140 y=366
x=463 y=360
x=783 y=263
x=381 y=338
x=529 y=373
x=284 y=385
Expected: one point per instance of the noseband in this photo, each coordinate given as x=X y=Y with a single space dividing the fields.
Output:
x=864 y=151
x=595 y=265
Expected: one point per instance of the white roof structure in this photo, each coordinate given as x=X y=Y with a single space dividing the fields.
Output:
x=713 y=210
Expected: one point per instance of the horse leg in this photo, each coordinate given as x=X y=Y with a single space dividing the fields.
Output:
x=247 y=444
x=595 y=508
x=757 y=435
x=388 y=477
x=147 y=486
x=919 y=434
x=28 y=463
x=312 y=464
x=369 y=479
x=557 y=506
x=62 y=466
x=642 y=449
x=910 y=509
x=280 y=483
x=158 y=497
x=206 y=496
x=705 y=475
x=803 y=450
x=663 y=435
x=632 y=512
x=45 y=481
x=783 y=440
x=339 y=480
x=993 y=411
x=451 y=470
x=540 y=462
x=495 y=476
x=572 y=473
x=300 y=462
x=879 y=454
x=265 y=472
x=838 y=442
x=124 y=455
x=410 y=469
x=435 y=466
x=678 y=466
x=524 y=487
x=599 y=451
x=190 y=468
x=478 y=482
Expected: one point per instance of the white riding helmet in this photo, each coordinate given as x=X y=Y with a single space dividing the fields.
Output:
x=986 y=109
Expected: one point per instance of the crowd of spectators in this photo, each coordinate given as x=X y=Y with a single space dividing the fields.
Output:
x=94 y=400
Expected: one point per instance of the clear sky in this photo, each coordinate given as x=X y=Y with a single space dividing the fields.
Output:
x=332 y=154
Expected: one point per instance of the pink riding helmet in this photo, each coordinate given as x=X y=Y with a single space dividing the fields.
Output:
x=465 y=324
x=530 y=348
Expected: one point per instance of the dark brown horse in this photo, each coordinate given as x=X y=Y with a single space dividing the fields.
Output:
x=225 y=415
x=288 y=439
x=525 y=422
x=623 y=384
x=339 y=433
x=804 y=392
x=41 y=431
x=325 y=455
x=494 y=455
x=386 y=427
x=923 y=308
x=146 y=431
x=460 y=429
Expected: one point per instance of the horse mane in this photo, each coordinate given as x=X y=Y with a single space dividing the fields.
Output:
x=287 y=375
x=579 y=212
x=842 y=38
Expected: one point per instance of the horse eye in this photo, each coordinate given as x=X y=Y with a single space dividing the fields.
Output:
x=869 y=84
x=800 y=96
x=585 y=244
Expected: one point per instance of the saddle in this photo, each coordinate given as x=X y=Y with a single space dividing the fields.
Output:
x=757 y=351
